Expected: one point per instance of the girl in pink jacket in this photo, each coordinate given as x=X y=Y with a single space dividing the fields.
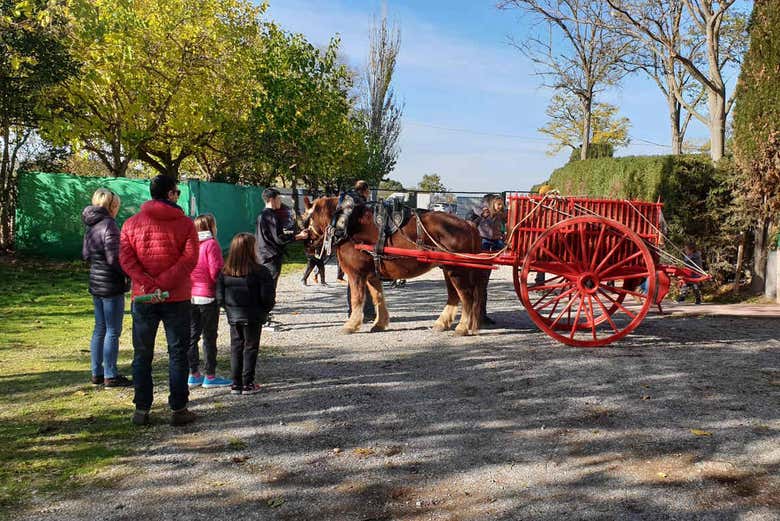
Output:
x=204 y=310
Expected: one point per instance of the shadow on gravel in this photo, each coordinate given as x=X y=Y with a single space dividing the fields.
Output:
x=679 y=422
x=490 y=432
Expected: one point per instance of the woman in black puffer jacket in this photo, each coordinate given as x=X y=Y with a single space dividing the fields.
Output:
x=107 y=284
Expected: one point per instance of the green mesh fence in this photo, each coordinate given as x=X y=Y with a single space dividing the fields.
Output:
x=234 y=207
x=48 y=214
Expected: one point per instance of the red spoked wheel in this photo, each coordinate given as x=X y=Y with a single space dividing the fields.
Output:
x=593 y=267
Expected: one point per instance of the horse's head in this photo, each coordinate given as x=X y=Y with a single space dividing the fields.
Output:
x=318 y=216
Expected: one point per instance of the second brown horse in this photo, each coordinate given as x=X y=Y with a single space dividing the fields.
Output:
x=464 y=285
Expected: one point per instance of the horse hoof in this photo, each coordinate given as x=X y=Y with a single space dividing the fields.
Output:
x=347 y=330
x=461 y=332
x=377 y=329
x=439 y=327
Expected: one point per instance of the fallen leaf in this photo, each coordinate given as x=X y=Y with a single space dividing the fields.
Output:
x=276 y=502
x=393 y=450
x=362 y=451
x=699 y=432
x=663 y=475
x=236 y=443
x=239 y=459
x=646 y=397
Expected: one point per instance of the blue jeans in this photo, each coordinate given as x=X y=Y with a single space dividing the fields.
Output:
x=175 y=317
x=104 y=347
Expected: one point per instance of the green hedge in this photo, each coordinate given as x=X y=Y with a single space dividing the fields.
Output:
x=696 y=196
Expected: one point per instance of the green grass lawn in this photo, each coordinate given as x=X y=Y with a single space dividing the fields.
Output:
x=295 y=259
x=57 y=431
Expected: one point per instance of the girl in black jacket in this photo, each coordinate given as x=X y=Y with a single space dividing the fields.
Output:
x=246 y=290
x=107 y=284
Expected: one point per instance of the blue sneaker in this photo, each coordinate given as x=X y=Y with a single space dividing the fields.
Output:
x=195 y=381
x=211 y=383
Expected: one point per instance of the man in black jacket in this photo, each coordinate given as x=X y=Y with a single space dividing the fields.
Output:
x=274 y=230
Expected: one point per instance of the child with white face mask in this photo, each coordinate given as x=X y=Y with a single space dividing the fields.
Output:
x=204 y=312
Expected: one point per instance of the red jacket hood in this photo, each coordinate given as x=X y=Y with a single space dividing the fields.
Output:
x=161 y=210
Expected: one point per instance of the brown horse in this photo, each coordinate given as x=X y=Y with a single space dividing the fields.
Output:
x=464 y=285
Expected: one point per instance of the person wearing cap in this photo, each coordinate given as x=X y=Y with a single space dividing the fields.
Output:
x=274 y=230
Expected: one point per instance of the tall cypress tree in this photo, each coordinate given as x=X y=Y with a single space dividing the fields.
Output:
x=757 y=129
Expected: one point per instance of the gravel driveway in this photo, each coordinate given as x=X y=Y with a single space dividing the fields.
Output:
x=681 y=421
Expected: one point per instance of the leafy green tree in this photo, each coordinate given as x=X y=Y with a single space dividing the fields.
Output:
x=431 y=183
x=158 y=78
x=390 y=184
x=567 y=118
x=33 y=58
x=757 y=130
x=303 y=128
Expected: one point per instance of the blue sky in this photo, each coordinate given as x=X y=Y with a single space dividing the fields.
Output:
x=472 y=102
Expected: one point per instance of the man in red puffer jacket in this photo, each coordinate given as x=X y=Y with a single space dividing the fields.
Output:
x=158 y=250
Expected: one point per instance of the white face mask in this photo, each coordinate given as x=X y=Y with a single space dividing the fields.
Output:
x=202 y=236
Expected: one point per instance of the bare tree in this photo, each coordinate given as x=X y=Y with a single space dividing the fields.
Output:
x=658 y=62
x=588 y=58
x=715 y=31
x=380 y=107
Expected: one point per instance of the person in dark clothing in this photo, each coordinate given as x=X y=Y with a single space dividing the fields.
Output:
x=312 y=262
x=274 y=230
x=360 y=194
x=246 y=290
x=107 y=285
x=693 y=259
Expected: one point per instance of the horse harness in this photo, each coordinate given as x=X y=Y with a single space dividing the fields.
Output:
x=389 y=218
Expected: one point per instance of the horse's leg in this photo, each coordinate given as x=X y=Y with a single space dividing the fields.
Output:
x=357 y=289
x=450 y=311
x=469 y=284
x=461 y=282
x=378 y=297
x=479 y=281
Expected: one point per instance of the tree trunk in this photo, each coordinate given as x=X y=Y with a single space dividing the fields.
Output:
x=6 y=197
x=296 y=203
x=587 y=108
x=163 y=162
x=740 y=260
x=7 y=215
x=716 y=93
x=760 y=252
x=674 y=124
x=717 y=105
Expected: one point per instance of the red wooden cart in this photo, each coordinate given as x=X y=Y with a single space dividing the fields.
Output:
x=578 y=264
